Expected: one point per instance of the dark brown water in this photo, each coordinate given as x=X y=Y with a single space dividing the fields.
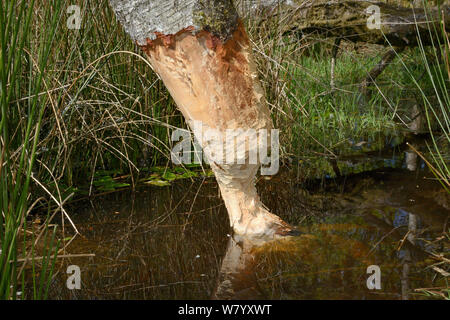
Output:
x=174 y=242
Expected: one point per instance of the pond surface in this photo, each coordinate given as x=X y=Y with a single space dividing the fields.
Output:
x=174 y=242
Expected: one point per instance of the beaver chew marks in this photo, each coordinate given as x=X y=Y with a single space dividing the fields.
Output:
x=214 y=81
x=208 y=69
x=211 y=81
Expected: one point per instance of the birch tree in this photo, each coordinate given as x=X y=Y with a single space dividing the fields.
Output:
x=202 y=53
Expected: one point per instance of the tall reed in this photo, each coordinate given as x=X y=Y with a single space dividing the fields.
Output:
x=20 y=127
x=436 y=107
x=437 y=104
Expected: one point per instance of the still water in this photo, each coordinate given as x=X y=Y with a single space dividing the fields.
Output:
x=174 y=242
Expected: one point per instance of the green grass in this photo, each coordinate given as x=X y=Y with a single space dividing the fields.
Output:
x=319 y=122
x=435 y=98
x=20 y=135
x=336 y=119
x=432 y=89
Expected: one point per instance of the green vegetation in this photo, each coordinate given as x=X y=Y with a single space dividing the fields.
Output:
x=104 y=108
x=23 y=65
x=436 y=106
x=323 y=122
x=436 y=103
x=83 y=113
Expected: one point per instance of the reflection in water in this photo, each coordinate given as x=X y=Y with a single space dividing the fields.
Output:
x=411 y=160
x=237 y=279
x=411 y=165
x=173 y=242
x=406 y=252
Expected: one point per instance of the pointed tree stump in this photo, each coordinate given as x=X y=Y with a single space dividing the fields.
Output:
x=202 y=53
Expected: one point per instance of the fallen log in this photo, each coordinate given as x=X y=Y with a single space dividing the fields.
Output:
x=396 y=24
x=357 y=21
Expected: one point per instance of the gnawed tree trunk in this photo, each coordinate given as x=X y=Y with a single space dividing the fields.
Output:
x=201 y=51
